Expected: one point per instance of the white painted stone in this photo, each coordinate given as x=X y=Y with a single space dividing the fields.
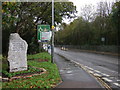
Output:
x=17 y=54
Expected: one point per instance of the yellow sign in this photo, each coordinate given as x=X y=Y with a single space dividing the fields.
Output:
x=53 y=27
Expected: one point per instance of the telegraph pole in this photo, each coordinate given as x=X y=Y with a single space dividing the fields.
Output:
x=52 y=43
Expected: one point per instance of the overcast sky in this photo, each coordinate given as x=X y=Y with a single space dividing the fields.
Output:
x=81 y=3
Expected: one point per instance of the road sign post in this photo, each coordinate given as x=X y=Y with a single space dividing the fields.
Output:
x=52 y=42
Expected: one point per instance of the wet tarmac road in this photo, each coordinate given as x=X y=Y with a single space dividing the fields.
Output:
x=73 y=76
x=104 y=66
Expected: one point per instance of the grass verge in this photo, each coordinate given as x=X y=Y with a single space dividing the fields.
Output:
x=47 y=80
x=43 y=55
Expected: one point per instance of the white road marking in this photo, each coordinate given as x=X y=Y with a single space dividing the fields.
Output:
x=97 y=75
x=76 y=62
x=69 y=71
x=106 y=79
x=97 y=71
x=61 y=70
x=86 y=66
x=89 y=67
x=116 y=84
x=105 y=74
x=91 y=72
x=118 y=80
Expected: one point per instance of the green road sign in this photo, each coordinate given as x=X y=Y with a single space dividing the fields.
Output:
x=43 y=32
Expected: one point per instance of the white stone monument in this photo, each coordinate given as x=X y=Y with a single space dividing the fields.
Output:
x=17 y=54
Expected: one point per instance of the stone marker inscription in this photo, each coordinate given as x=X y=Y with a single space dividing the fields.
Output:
x=17 y=46
x=17 y=55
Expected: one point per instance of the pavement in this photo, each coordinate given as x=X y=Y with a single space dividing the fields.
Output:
x=74 y=76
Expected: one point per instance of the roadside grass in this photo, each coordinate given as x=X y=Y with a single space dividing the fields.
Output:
x=12 y=74
x=43 y=55
x=4 y=63
x=47 y=80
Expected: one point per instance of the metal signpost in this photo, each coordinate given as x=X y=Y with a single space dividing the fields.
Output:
x=43 y=33
x=52 y=43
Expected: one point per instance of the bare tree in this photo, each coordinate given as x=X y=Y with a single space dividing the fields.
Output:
x=104 y=9
x=88 y=12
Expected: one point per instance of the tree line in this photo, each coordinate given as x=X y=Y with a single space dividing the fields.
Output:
x=23 y=18
x=100 y=27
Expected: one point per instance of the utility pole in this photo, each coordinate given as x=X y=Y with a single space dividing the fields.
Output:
x=52 y=43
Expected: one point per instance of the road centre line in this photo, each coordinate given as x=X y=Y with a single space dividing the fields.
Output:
x=116 y=84
x=106 y=79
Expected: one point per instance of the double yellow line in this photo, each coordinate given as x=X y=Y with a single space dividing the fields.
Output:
x=107 y=87
x=103 y=83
